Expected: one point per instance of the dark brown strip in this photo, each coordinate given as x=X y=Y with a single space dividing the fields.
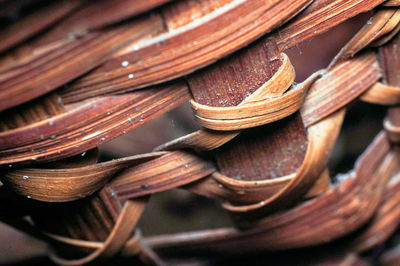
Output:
x=340 y=85
x=169 y=171
x=181 y=52
x=389 y=58
x=97 y=14
x=93 y=49
x=257 y=153
x=320 y=17
x=137 y=108
x=34 y=23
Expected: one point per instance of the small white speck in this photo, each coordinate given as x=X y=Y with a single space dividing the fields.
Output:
x=10 y=165
x=369 y=22
x=29 y=197
x=220 y=186
x=51 y=122
x=102 y=139
x=71 y=36
x=341 y=177
x=131 y=119
x=186 y=166
x=130 y=76
x=83 y=154
x=125 y=64
x=262 y=202
x=25 y=177
x=53 y=137
x=113 y=194
x=91 y=135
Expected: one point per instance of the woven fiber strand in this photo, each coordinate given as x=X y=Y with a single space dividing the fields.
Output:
x=77 y=74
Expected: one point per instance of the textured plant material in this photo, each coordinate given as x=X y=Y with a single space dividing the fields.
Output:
x=264 y=141
x=358 y=197
x=184 y=49
x=70 y=183
x=85 y=127
x=94 y=15
x=59 y=66
x=35 y=23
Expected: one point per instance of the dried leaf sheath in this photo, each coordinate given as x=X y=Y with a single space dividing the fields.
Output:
x=30 y=84
x=287 y=229
x=187 y=48
x=264 y=147
x=76 y=134
x=34 y=23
